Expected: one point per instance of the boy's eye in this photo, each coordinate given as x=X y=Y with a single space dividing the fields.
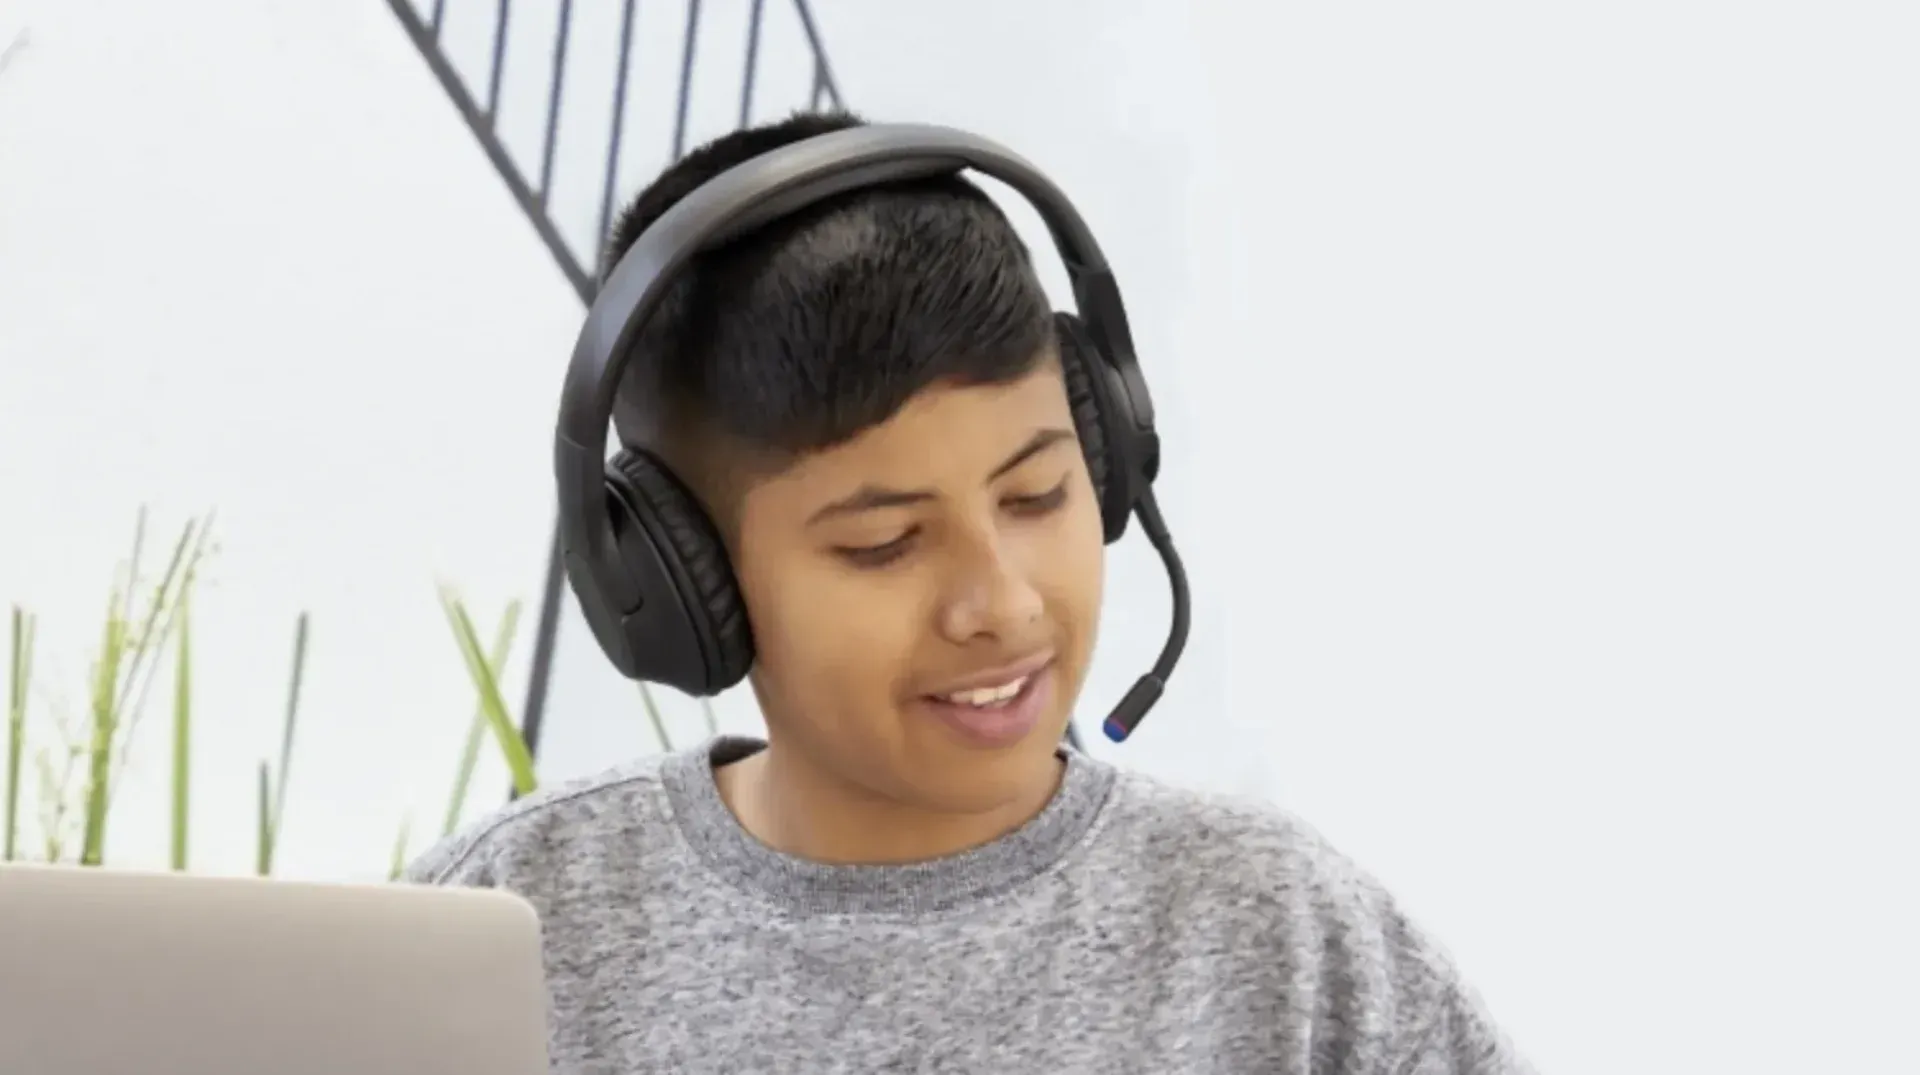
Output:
x=1040 y=503
x=877 y=555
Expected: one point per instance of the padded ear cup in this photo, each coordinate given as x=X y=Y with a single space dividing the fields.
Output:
x=1095 y=414
x=701 y=569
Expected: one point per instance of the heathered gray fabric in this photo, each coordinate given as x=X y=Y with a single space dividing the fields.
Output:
x=1130 y=927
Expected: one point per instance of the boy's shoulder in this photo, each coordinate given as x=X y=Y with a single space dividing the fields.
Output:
x=555 y=830
x=1253 y=877
x=1248 y=868
x=1234 y=841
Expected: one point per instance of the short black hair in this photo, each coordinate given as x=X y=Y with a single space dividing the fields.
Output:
x=803 y=333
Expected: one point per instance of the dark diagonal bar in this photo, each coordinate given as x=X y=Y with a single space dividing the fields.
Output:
x=753 y=61
x=555 y=89
x=687 y=56
x=613 y=137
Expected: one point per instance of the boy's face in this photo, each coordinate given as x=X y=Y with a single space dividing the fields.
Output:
x=958 y=545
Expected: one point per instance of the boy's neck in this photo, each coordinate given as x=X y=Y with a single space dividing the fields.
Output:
x=795 y=808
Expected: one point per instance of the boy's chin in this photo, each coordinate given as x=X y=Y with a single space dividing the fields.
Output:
x=967 y=781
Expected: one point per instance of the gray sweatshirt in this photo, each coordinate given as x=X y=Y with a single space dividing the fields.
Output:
x=1130 y=927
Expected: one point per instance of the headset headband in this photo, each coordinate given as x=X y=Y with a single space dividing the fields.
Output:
x=749 y=196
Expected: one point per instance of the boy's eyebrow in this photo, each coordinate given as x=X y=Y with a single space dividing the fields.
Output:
x=1039 y=442
x=875 y=497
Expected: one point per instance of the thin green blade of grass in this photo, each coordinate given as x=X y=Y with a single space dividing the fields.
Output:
x=126 y=671
x=133 y=564
x=397 y=861
x=514 y=748
x=182 y=736
x=654 y=718
x=49 y=806
x=273 y=784
x=161 y=621
x=100 y=741
x=263 y=823
x=184 y=575
x=151 y=636
x=287 y=724
x=19 y=674
x=477 y=728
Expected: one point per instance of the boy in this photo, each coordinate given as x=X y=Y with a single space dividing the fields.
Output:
x=910 y=874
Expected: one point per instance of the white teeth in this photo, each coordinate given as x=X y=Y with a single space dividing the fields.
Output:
x=987 y=696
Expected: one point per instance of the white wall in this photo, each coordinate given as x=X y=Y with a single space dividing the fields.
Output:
x=1540 y=387
x=250 y=261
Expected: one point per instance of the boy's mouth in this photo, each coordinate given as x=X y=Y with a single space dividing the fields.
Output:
x=997 y=710
x=987 y=697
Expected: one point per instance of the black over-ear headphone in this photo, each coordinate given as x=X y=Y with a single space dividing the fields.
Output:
x=645 y=561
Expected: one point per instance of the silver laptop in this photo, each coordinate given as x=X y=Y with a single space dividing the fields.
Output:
x=106 y=972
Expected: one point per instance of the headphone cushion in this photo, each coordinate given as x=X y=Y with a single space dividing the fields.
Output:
x=1092 y=412
x=668 y=508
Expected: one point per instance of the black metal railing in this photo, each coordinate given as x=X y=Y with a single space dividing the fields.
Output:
x=481 y=108
x=532 y=184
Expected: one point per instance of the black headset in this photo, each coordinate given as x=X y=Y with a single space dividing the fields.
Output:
x=646 y=563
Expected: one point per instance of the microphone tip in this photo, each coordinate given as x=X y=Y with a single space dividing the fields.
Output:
x=1133 y=708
